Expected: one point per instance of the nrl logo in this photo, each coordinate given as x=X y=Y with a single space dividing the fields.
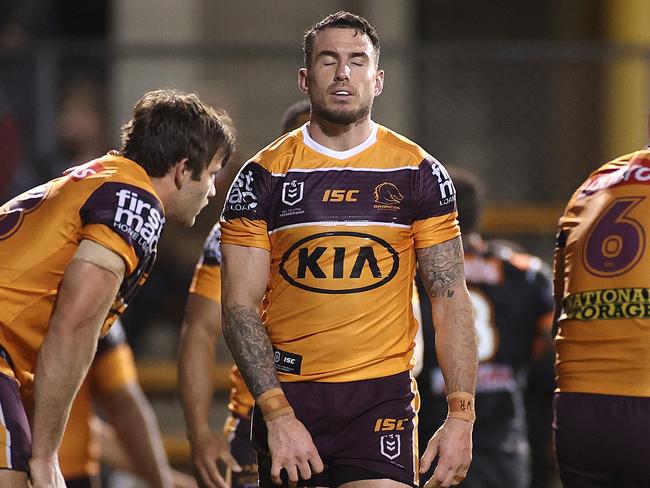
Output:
x=390 y=446
x=292 y=192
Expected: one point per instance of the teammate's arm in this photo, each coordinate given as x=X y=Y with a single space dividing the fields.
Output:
x=132 y=417
x=245 y=274
x=201 y=328
x=441 y=268
x=83 y=301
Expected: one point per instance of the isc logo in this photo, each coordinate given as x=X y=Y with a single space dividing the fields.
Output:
x=340 y=195
x=388 y=424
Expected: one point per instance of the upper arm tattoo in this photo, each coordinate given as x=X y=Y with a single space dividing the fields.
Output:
x=441 y=267
x=250 y=347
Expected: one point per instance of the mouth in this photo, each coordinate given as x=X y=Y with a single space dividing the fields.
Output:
x=341 y=93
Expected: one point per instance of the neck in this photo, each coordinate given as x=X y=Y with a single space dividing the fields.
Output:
x=339 y=137
x=165 y=189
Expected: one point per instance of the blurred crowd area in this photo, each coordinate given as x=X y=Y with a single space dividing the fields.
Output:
x=529 y=97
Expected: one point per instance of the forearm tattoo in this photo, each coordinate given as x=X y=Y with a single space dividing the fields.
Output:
x=250 y=347
x=441 y=267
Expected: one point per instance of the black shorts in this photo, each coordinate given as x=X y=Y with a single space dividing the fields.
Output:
x=16 y=436
x=362 y=429
x=238 y=432
x=602 y=440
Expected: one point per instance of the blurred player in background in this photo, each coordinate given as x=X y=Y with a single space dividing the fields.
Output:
x=75 y=250
x=602 y=293
x=512 y=297
x=326 y=225
x=112 y=383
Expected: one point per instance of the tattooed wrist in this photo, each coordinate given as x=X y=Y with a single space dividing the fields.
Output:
x=441 y=268
x=250 y=347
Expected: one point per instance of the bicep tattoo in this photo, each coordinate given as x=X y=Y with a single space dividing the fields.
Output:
x=441 y=267
x=251 y=347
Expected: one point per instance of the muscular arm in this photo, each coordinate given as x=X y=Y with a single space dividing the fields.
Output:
x=441 y=268
x=245 y=273
x=83 y=301
x=201 y=329
x=132 y=417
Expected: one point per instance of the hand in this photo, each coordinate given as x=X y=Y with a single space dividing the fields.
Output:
x=206 y=451
x=45 y=473
x=182 y=480
x=293 y=449
x=452 y=444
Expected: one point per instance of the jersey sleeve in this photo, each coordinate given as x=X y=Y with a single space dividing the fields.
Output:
x=207 y=274
x=246 y=214
x=125 y=219
x=114 y=365
x=436 y=219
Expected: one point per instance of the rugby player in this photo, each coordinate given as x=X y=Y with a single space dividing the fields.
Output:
x=512 y=295
x=602 y=293
x=73 y=253
x=324 y=227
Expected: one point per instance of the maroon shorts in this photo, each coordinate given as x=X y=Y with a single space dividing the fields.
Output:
x=238 y=433
x=15 y=434
x=362 y=429
x=602 y=440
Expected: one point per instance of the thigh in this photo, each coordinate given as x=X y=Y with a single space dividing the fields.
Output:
x=238 y=433
x=15 y=434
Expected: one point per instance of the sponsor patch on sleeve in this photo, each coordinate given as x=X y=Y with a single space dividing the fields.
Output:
x=132 y=212
x=287 y=362
x=437 y=193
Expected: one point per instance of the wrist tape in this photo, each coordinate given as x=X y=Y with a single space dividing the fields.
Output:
x=273 y=404
x=461 y=406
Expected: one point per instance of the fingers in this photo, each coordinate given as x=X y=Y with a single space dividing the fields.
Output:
x=230 y=461
x=210 y=475
x=317 y=465
x=429 y=455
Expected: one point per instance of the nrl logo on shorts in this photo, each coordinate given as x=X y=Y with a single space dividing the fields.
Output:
x=390 y=446
x=292 y=192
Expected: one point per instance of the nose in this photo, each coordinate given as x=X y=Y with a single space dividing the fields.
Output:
x=343 y=72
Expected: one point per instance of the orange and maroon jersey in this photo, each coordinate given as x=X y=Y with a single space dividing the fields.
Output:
x=109 y=200
x=112 y=369
x=342 y=228
x=603 y=340
x=207 y=283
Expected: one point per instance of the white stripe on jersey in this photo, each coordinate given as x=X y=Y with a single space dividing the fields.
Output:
x=331 y=223
x=347 y=168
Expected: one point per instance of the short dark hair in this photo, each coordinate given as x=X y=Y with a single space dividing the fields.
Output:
x=469 y=198
x=341 y=19
x=169 y=125
x=293 y=113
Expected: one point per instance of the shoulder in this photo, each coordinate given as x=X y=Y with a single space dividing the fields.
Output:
x=397 y=144
x=275 y=156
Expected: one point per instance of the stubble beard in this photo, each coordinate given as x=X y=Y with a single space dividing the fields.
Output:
x=341 y=116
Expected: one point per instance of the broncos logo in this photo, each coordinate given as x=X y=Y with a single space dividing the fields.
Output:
x=387 y=193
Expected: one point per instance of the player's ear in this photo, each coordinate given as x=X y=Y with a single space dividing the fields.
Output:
x=303 y=80
x=379 y=82
x=182 y=172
